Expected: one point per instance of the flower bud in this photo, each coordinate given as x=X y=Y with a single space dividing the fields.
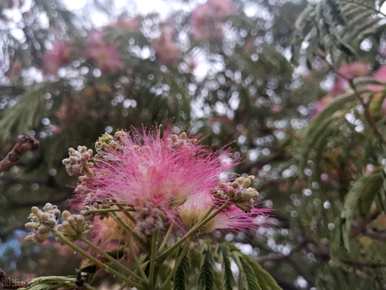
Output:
x=73 y=226
x=78 y=163
x=182 y=139
x=120 y=136
x=238 y=191
x=65 y=215
x=42 y=221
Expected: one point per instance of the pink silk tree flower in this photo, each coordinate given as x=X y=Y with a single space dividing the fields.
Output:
x=204 y=26
x=207 y=19
x=107 y=234
x=320 y=105
x=230 y=218
x=379 y=75
x=132 y=24
x=56 y=57
x=233 y=218
x=106 y=56
x=222 y=8
x=166 y=49
x=149 y=168
x=129 y=24
x=347 y=72
x=169 y=174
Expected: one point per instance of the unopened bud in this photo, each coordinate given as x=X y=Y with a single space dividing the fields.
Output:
x=78 y=161
x=42 y=221
x=73 y=226
x=238 y=191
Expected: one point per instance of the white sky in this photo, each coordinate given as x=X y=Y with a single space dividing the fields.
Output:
x=132 y=7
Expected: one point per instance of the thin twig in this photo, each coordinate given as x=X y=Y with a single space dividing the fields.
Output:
x=23 y=144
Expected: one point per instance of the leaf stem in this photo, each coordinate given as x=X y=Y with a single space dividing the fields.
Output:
x=208 y=216
x=110 y=258
x=128 y=228
x=90 y=257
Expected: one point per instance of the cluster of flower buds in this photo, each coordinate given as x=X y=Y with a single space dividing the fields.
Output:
x=108 y=142
x=149 y=219
x=73 y=225
x=104 y=142
x=41 y=222
x=182 y=139
x=78 y=162
x=239 y=191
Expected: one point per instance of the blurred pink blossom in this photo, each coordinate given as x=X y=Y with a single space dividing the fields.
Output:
x=347 y=72
x=130 y=24
x=166 y=49
x=379 y=75
x=108 y=234
x=207 y=19
x=222 y=8
x=56 y=57
x=106 y=56
x=321 y=104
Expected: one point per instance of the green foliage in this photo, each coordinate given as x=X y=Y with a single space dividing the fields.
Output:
x=251 y=280
x=358 y=202
x=323 y=174
x=206 y=278
x=181 y=274
x=24 y=116
x=228 y=275
x=337 y=28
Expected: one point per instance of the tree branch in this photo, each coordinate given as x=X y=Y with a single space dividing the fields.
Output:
x=23 y=144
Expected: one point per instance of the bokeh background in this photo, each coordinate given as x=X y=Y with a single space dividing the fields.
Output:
x=252 y=76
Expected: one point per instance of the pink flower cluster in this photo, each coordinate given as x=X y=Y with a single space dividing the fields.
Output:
x=166 y=49
x=106 y=56
x=171 y=173
x=380 y=76
x=207 y=19
x=56 y=57
x=346 y=73
x=130 y=24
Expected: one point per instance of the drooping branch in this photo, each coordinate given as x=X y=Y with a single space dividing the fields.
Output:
x=23 y=144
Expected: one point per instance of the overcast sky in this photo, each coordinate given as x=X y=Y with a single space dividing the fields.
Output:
x=132 y=7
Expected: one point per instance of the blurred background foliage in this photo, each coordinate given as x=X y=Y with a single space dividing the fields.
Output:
x=295 y=89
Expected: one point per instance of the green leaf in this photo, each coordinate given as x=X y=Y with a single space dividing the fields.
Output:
x=250 y=275
x=358 y=201
x=228 y=275
x=265 y=279
x=180 y=275
x=23 y=116
x=337 y=26
x=206 y=278
x=327 y=117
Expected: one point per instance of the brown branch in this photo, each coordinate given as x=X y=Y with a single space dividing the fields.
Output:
x=23 y=144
